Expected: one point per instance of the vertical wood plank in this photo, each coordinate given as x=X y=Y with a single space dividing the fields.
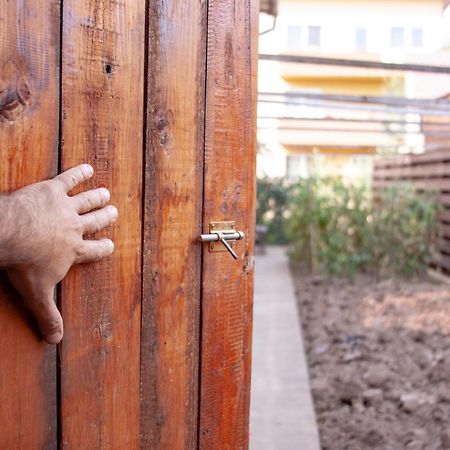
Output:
x=102 y=114
x=229 y=194
x=29 y=97
x=173 y=202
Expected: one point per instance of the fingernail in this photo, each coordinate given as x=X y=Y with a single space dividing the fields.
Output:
x=53 y=338
x=114 y=211
x=106 y=195
x=89 y=169
x=110 y=244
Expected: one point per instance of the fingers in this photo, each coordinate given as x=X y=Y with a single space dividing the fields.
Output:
x=73 y=177
x=94 y=250
x=87 y=201
x=97 y=220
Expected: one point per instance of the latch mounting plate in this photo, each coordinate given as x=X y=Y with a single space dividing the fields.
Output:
x=215 y=227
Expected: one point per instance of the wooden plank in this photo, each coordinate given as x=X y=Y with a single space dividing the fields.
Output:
x=444 y=246
x=102 y=116
x=443 y=261
x=172 y=221
x=434 y=170
x=441 y=154
x=229 y=195
x=435 y=147
x=444 y=230
x=442 y=184
x=445 y=200
x=392 y=161
x=29 y=97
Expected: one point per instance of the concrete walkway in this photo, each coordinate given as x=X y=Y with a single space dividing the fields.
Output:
x=281 y=413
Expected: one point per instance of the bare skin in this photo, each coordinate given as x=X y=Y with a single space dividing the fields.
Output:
x=41 y=237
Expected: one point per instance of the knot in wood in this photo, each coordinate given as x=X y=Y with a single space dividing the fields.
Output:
x=13 y=100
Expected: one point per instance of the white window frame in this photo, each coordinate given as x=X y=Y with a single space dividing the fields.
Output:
x=413 y=36
x=401 y=36
x=291 y=45
x=311 y=30
x=359 y=32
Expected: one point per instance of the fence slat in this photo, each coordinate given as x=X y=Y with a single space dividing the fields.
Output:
x=434 y=170
x=29 y=97
x=442 y=184
x=172 y=221
x=229 y=195
x=102 y=117
x=444 y=230
x=443 y=261
x=441 y=154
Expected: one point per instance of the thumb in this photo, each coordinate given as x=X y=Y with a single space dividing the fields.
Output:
x=40 y=301
x=49 y=318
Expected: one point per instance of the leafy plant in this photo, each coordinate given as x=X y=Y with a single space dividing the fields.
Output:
x=273 y=207
x=339 y=228
x=404 y=229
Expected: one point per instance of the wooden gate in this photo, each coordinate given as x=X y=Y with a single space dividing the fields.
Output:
x=159 y=97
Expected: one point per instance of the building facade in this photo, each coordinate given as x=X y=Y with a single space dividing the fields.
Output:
x=305 y=118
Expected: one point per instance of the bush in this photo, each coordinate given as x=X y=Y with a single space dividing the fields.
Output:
x=339 y=229
x=272 y=208
x=404 y=230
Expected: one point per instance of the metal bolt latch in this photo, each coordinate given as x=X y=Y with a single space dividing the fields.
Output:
x=224 y=233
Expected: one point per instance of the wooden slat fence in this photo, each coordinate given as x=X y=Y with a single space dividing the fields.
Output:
x=160 y=98
x=426 y=171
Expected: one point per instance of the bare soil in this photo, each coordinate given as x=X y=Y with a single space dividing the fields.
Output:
x=379 y=361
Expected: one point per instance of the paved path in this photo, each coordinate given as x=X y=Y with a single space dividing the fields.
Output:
x=281 y=412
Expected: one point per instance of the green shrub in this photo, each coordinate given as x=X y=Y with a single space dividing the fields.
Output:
x=338 y=228
x=272 y=207
x=328 y=225
x=404 y=230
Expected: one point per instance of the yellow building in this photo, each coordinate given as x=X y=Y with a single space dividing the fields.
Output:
x=345 y=133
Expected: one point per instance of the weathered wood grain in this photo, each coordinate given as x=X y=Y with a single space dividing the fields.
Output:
x=29 y=96
x=229 y=194
x=172 y=221
x=102 y=115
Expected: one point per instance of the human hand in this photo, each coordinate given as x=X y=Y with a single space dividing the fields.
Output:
x=50 y=226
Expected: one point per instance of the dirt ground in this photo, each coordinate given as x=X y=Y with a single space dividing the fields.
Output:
x=379 y=360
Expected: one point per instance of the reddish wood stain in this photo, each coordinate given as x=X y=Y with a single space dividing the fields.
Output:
x=29 y=41
x=102 y=115
x=173 y=204
x=156 y=352
x=229 y=194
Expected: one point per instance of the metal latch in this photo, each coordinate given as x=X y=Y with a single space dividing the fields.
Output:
x=222 y=232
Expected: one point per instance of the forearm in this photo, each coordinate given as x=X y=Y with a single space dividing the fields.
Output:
x=11 y=227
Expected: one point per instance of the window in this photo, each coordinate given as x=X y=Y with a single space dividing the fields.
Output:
x=293 y=37
x=397 y=37
x=361 y=40
x=314 y=36
x=417 y=37
x=296 y=166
